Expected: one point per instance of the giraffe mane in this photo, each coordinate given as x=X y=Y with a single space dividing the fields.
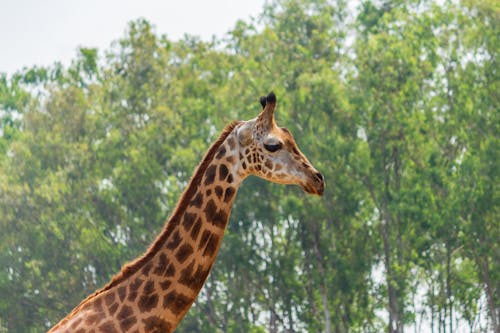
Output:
x=134 y=266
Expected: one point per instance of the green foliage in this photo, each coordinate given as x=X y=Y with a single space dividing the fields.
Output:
x=397 y=107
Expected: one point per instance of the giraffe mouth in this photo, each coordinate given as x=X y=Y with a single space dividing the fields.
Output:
x=314 y=190
x=316 y=186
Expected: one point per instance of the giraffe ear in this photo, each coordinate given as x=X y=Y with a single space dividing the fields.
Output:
x=244 y=134
x=263 y=101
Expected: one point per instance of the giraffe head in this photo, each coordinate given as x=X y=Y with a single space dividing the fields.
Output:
x=270 y=152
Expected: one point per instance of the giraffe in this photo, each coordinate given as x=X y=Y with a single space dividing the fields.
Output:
x=154 y=292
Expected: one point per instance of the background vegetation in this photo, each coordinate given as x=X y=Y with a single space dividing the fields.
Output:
x=396 y=102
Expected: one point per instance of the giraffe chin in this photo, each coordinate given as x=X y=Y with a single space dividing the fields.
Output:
x=312 y=189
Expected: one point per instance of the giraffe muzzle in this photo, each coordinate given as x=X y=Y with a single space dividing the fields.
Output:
x=316 y=185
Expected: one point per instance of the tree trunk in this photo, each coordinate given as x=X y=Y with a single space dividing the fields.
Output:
x=449 y=298
x=272 y=322
x=323 y=289
x=490 y=294
x=394 y=320
x=326 y=309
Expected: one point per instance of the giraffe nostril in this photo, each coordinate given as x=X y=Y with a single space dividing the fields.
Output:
x=319 y=176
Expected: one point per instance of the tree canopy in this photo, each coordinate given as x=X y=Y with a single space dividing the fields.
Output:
x=397 y=103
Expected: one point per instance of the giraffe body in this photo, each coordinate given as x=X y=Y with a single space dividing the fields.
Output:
x=153 y=293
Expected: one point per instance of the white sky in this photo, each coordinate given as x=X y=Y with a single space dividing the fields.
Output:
x=40 y=32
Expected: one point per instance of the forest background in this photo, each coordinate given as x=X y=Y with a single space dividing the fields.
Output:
x=398 y=105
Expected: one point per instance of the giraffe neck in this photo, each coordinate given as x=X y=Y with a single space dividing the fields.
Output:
x=156 y=290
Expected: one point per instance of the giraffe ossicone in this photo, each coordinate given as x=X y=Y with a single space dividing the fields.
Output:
x=154 y=292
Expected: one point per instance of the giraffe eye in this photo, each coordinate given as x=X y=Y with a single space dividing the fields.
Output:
x=273 y=146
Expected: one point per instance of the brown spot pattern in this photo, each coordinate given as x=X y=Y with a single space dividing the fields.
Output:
x=186 y=274
x=147 y=268
x=217 y=217
x=223 y=172
x=212 y=243
x=98 y=304
x=196 y=229
x=220 y=219
x=221 y=153
x=184 y=252
x=197 y=201
x=210 y=174
x=162 y=265
x=228 y=195
x=148 y=302
x=112 y=309
x=155 y=324
x=204 y=239
x=132 y=295
x=174 y=241
x=109 y=298
x=121 y=293
x=108 y=327
x=126 y=318
x=136 y=285
x=93 y=319
x=165 y=266
x=170 y=270
x=188 y=220
x=210 y=209
x=200 y=276
x=218 y=191
x=194 y=279
x=176 y=302
x=165 y=284
x=149 y=287
x=268 y=164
